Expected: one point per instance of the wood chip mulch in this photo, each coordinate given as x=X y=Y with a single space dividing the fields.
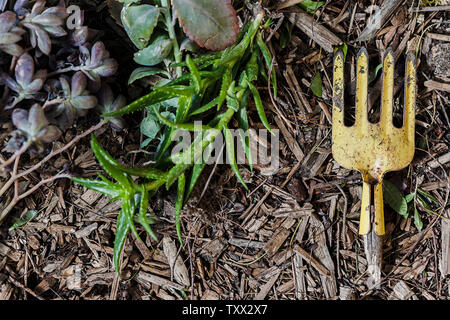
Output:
x=295 y=234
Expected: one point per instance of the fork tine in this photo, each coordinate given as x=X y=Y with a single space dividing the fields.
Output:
x=338 y=90
x=362 y=64
x=387 y=91
x=410 y=96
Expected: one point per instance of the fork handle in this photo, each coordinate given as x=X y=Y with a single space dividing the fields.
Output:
x=379 y=209
x=367 y=206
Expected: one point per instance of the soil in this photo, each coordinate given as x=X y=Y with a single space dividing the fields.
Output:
x=294 y=235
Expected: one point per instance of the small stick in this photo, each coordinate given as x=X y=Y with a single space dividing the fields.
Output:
x=18 y=197
x=15 y=155
x=18 y=284
x=312 y=261
x=211 y=174
x=14 y=178
x=436 y=8
x=52 y=102
x=59 y=71
x=51 y=155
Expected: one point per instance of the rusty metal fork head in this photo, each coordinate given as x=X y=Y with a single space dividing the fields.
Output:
x=373 y=148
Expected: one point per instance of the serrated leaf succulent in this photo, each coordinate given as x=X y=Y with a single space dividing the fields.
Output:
x=212 y=24
x=175 y=105
x=151 y=27
x=134 y=197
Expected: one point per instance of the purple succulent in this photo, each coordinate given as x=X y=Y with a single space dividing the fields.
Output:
x=10 y=34
x=76 y=100
x=20 y=7
x=43 y=22
x=96 y=63
x=107 y=104
x=26 y=83
x=32 y=128
x=79 y=36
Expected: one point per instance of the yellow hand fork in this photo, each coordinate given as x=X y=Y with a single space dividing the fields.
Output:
x=373 y=148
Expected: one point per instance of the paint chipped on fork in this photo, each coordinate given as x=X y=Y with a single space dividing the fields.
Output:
x=373 y=148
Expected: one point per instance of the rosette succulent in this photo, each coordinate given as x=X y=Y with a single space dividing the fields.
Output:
x=33 y=130
x=26 y=83
x=43 y=22
x=96 y=63
x=79 y=36
x=46 y=35
x=10 y=34
x=107 y=104
x=75 y=100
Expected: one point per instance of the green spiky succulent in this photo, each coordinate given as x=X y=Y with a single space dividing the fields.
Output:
x=214 y=89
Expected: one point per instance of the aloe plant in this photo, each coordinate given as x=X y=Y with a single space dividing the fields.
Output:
x=215 y=89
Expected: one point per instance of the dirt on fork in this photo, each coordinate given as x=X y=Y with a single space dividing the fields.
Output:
x=294 y=234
